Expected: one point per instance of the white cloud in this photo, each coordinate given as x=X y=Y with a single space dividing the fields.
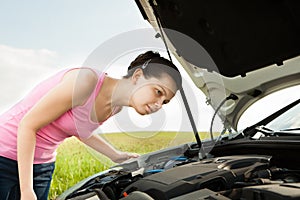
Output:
x=26 y=58
x=21 y=69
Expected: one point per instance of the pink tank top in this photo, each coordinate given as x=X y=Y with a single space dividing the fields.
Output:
x=75 y=122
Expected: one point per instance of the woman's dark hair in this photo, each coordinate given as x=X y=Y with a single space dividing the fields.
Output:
x=153 y=65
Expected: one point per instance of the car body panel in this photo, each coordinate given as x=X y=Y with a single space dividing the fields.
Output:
x=250 y=50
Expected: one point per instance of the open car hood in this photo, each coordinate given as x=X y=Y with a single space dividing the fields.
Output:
x=248 y=49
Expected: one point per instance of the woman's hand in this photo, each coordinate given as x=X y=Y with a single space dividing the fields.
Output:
x=122 y=156
x=100 y=145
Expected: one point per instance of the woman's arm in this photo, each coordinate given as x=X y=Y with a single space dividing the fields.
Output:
x=57 y=101
x=99 y=144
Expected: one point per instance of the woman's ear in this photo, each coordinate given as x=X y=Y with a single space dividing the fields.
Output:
x=137 y=74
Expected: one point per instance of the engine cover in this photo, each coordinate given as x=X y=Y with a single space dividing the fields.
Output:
x=216 y=174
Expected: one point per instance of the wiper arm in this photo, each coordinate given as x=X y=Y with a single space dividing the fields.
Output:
x=291 y=129
x=265 y=130
x=268 y=131
x=262 y=131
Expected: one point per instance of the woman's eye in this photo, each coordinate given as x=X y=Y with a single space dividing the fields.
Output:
x=158 y=92
x=166 y=101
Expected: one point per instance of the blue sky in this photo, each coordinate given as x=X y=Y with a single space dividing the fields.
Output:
x=38 y=38
x=30 y=23
x=69 y=27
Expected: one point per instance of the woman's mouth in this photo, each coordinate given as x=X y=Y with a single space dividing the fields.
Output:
x=148 y=109
x=151 y=109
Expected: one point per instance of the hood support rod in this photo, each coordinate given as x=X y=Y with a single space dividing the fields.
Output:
x=187 y=107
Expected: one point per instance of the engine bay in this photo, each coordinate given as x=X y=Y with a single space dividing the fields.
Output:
x=177 y=173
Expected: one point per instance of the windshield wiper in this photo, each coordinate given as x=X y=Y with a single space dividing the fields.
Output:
x=270 y=132
x=251 y=130
x=290 y=129
x=263 y=131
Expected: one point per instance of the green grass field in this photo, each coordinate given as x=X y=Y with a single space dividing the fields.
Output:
x=75 y=161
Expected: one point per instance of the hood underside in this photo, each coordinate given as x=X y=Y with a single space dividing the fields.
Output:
x=248 y=49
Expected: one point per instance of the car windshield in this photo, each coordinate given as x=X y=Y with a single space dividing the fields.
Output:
x=269 y=105
x=288 y=121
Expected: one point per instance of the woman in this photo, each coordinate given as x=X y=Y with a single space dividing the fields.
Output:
x=75 y=102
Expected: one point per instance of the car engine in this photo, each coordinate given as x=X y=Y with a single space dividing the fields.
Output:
x=176 y=173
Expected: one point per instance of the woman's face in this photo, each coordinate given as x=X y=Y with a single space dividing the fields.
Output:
x=149 y=95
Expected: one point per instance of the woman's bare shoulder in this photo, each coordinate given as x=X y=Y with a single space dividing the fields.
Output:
x=84 y=81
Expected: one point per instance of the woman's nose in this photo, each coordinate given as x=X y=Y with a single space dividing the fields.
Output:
x=159 y=104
